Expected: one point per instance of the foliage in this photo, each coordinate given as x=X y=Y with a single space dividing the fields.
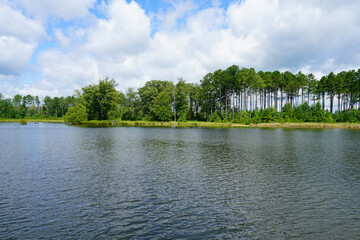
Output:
x=157 y=100
x=76 y=115
x=238 y=95
x=101 y=100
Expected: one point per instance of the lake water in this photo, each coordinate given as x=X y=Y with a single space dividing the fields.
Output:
x=63 y=182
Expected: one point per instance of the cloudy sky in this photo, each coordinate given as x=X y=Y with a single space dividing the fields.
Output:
x=52 y=47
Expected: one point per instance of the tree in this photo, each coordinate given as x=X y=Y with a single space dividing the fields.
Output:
x=76 y=115
x=131 y=104
x=100 y=100
x=181 y=99
x=17 y=100
x=162 y=105
x=301 y=80
x=311 y=88
x=194 y=101
x=150 y=99
x=37 y=103
x=321 y=89
x=291 y=86
x=330 y=88
x=277 y=78
x=208 y=94
x=231 y=76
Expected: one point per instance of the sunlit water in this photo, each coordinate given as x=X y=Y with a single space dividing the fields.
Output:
x=62 y=182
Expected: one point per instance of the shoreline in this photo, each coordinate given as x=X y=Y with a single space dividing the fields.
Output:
x=108 y=123
x=32 y=120
x=307 y=125
x=163 y=124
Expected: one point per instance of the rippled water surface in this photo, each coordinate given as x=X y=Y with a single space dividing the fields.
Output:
x=62 y=182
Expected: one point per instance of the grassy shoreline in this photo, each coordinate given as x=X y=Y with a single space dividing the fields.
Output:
x=306 y=125
x=95 y=123
x=32 y=120
x=163 y=124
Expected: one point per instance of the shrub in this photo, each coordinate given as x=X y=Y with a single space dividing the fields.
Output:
x=75 y=115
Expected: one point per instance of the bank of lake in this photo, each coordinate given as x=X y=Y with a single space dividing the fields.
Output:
x=95 y=123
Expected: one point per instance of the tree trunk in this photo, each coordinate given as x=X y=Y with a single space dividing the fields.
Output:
x=220 y=104
x=264 y=99
x=269 y=100
x=308 y=98
x=256 y=101
x=226 y=108
x=287 y=97
x=245 y=100
x=241 y=101
x=275 y=99
x=233 y=102
x=331 y=102
x=251 y=105
x=302 y=95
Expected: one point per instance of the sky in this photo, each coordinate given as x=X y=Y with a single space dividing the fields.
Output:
x=52 y=48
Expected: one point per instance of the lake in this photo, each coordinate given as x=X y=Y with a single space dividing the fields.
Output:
x=64 y=182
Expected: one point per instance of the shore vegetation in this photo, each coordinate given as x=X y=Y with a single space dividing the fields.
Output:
x=230 y=97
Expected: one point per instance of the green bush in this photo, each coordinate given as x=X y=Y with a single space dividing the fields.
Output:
x=75 y=115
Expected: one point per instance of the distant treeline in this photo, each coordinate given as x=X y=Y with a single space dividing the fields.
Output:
x=32 y=108
x=239 y=95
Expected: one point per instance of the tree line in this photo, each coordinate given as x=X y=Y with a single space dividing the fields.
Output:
x=235 y=94
x=31 y=107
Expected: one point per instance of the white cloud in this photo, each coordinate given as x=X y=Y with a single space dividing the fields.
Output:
x=14 y=23
x=18 y=40
x=62 y=39
x=64 y=9
x=293 y=34
x=313 y=36
x=170 y=19
x=15 y=55
x=65 y=72
x=126 y=31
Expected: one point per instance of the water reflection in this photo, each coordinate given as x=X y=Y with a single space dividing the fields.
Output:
x=64 y=182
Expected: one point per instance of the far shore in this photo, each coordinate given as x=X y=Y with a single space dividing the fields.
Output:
x=306 y=125
x=32 y=120
x=196 y=124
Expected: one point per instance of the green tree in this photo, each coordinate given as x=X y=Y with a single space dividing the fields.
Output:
x=162 y=105
x=277 y=78
x=181 y=99
x=330 y=88
x=76 y=115
x=100 y=100
x=194 y=101
x=150 y=99
x=131 y=104
x=208 y=94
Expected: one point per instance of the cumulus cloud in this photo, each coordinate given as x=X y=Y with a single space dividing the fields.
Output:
x=62 y=39
x=293 y=34
x=64 y=9
x=65 y=72
x=179 y=10
x=14 y=23
x=15 y=55
x=126 y=31
x=189 y=41
x=18 y=40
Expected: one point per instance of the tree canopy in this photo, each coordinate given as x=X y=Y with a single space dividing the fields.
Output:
x=234 y=94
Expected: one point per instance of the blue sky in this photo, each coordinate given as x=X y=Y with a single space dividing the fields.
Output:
x=52 y=47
